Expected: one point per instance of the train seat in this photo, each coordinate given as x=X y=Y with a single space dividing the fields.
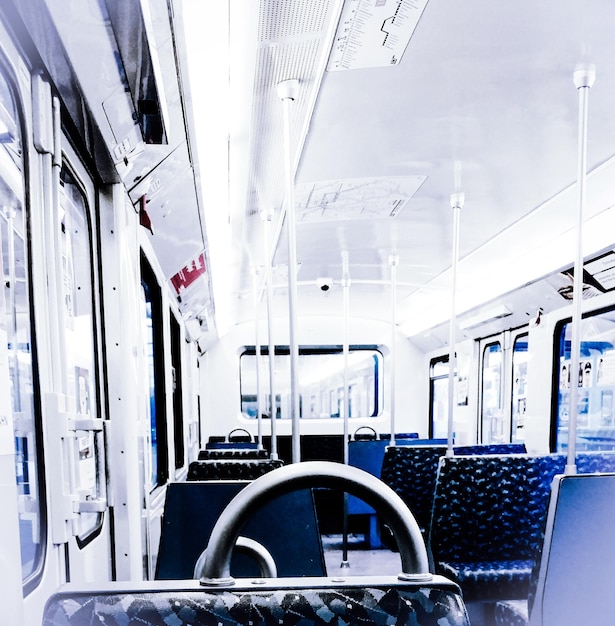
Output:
x=285 y=526
x=490 y=448
x=574 y=582
x=516 y=612
x=413 y=597
x=411 y=472
x=231 y=469
x=488 y=520
x=366 y=454
x=232 y=453
x=238 y=438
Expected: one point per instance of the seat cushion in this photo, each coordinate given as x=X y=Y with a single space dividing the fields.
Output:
x=489 y=580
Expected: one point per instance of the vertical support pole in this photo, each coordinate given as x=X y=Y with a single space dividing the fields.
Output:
x=346 y=396
x=583 y=79
x=257 y=350
x=287 y=92
x=457 y=200
x=393 y=262
x=267 y=216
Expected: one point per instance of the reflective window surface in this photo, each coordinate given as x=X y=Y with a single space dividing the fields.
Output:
x=16 y=328
x=321 y=382
x=79 y=340
x=491 y=402
x=438 y=379
x=156 y=457
x=519 y=388
x=594 y=376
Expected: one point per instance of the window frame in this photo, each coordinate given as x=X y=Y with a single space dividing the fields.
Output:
x=329 y=349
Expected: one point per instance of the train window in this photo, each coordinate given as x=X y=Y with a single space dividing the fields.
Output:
x=519 y=388
x=321 y=381
x=492 y=417
x=80 y=341
x=595 y=377
x=152 y=326
x=438 y=393
x=178 y=410
x=17 y=365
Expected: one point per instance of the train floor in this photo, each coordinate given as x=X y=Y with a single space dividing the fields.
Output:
x=361 y=560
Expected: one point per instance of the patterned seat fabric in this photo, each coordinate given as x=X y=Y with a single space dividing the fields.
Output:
x=489 y=512
x=411 y=472
x=366 y=606
x=491 y=448
x=232 y=453
x=489 y=580
x=517 y=612
x=231 y=469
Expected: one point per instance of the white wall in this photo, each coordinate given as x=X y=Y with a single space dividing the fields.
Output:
x=220 y=407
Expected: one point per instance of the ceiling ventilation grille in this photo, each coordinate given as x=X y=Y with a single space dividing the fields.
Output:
x=281 y=20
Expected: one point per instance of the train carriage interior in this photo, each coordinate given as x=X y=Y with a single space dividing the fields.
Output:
x=308 y=312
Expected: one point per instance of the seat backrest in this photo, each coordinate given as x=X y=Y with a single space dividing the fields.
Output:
x=411 y=472
x=192 y=508
x=184 y=603
x=232 y=453
x=575 y=583
x=366 y=454
x=491 y=507
x=490 y=448
x=231 y=469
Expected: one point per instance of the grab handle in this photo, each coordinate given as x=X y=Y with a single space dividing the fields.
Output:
x=213 y=566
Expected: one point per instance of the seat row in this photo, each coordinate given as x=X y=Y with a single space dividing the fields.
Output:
x=483 y=516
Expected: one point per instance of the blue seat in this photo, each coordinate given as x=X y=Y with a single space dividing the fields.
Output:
x=585 y=505
x=187 y=604
x=411 y=472
x=232 y=453
x=490 y=448
x=366 y=455
x=192 y=508
x=488 y=520
x=231 y=469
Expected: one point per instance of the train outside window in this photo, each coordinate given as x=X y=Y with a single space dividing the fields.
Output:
x=594 y=376
x=321 y=382
x=16 y=328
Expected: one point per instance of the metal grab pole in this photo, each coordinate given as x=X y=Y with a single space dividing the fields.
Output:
x=267 y=216
x=287 y=91
x=457 y=200
x=257 y=350
x=393 y=261
x=346 y=396
x=583 y=79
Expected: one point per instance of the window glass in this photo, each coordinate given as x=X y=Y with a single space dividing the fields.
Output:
x=16 y=329
x=178 y=410
x=491 y=400
x=438 y=380
x=594 y=376
x=519 y=388
x=153 y=339
x=79 y=339
x=321 y=382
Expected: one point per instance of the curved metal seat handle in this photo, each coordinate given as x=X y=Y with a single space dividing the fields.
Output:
x=213 y=566
x=260 y=554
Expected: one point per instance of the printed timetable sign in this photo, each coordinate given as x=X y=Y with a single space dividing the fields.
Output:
x=374 y=33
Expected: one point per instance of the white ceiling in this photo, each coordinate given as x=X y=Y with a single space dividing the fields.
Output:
x=482 y=102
